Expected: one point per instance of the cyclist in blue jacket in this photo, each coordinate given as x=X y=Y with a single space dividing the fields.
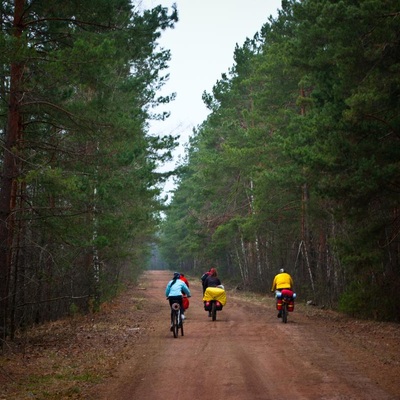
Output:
x=174 y=290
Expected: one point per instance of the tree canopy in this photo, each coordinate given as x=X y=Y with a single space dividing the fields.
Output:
x=298 y=163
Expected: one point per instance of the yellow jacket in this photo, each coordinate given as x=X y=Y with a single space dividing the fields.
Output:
x=282 y=281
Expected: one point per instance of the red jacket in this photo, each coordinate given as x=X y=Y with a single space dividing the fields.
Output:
x=183 y=278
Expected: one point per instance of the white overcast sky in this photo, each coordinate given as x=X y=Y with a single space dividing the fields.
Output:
x=202 y=46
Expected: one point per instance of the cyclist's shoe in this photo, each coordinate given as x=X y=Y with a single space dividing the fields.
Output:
x=183 y=317
x=279 y=315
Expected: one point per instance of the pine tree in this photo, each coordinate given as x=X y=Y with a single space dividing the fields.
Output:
x=80 y=81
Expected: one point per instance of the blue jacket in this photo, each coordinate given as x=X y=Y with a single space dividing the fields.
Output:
x=177 y=288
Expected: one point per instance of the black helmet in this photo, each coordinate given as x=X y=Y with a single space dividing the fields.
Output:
x=177 y=275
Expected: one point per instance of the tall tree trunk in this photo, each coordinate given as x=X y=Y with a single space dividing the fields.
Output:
x=13 y=134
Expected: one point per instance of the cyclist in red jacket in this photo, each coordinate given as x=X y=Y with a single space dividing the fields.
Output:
x=185 y=299
x=184 y=279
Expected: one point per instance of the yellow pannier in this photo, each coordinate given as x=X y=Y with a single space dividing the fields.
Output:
x=215 y=293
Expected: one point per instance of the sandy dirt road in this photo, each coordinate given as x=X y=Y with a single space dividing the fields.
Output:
x=247 y=354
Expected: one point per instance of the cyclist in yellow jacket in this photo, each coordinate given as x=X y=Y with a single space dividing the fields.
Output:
x=282 y=281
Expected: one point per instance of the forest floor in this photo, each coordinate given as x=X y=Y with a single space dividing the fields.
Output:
x=126 y=351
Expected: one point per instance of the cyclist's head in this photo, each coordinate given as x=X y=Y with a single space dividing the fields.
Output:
x=177 y=275
x=213 y=272
x=281 y=270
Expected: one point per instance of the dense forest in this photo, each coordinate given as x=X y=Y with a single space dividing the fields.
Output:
x=80 y=192
x=297 y=165
x=298 y=162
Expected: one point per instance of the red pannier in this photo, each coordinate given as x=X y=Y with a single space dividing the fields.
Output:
x=287 y=293
x=185 y=302
x=208 y=305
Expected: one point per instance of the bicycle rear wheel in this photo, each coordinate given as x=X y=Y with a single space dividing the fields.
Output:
x=214 y=311
x=175 y=323
x=284 y=312
x=175 y=319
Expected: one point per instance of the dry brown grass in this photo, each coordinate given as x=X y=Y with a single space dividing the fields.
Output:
x=58 y=360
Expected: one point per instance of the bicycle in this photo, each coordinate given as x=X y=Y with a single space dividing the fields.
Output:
x=284 y=310
x=214 y=298
x=176 y=320
x=215 y=306
x=286 y=303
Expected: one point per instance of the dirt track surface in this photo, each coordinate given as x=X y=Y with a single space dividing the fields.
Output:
x=249 y=354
